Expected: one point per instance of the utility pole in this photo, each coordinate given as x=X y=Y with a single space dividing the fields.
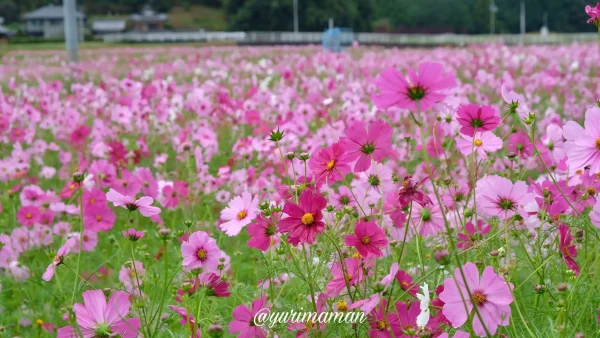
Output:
x=522 y=21
x=493 y=10
x=70 y=23
x=296 y=16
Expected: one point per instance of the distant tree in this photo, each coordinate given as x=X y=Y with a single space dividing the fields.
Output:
x=9 y=11
x=313 y=15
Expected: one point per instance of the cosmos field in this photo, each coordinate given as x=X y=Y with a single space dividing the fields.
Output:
x=446 y=192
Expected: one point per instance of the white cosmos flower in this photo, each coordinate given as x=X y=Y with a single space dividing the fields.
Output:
x=423 y=317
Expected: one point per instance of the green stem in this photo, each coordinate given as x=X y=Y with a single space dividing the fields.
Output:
x=162 y=301
x=75 y=283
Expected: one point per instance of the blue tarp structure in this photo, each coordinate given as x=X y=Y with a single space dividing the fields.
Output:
x=335 y=39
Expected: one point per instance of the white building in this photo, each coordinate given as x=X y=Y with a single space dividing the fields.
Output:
x=48 y=22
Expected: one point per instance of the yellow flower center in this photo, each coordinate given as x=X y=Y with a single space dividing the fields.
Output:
x=39 y=322
x=365 y=240
x=202 y=254
x=330 y=164
x=98 y=218
x=92 y=200
x=598 y=143
x=381 y=325
x=348 y=277
x=591 y=190
x=479 y=298
x=28 y=216
x=72 y=186
x=342 y=306
x=478 y=143
x=242 y=214
x=308 y=219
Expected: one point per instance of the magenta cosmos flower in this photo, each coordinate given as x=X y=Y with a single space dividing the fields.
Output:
x=96 y=318
x=426 y=87
x=261 y=232
x=583 y=145
x=594 y=14
x=473 y=117
x=567 y=249
x=362 y=144
x=368 y=239
x=132 y=234
x=243 y=320
x=498 y=196
x=330 y=164
x=304 y=220
x=239 y=213
x=491 y=295
x=480 y=143
x=200 y=251
x=29 y=215
x=143 y=205
x=409 y=192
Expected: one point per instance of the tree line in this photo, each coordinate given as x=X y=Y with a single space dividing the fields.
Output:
x=422 y=16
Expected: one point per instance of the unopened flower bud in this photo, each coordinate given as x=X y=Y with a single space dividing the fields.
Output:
x=562 y=287
x=290 y=155
x=164 y=234
x=276 y=135
x=188 y=224
x=442 y=257
x=511 y=155
x=215 y=330
x=78 y=177
x=304 y=156
x=539 y=289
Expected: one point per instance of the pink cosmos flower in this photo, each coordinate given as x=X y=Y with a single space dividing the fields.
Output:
x=99 y=218
x=466 y=240
x=172 y=194
x=143 y=205
x=583 y=145
x=89 y=240
x=499 y=196
x=595 y=214
x=363 y=145
x=304 y=220
x=79 y=135
x=457 y=334
x=330 y=164
x=147 y=181
x=351 y=272
x=200 y=251
x=427 y=220
x=133 y=235
x=131 y=276
x=567 y=249
x=261 y=232
x=93 y=198
x=481 y=143
x=62 y=252
x=426 y=87
x=29 y=215
x=368 y=239
x=240 y=211
x=243 y=320
x=96 y=317
x=188 y=320
x=520 y=144
x=473 y=117
x=491 y=294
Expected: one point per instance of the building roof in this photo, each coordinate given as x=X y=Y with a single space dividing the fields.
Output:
x=49 y=12
x=109 y=25
x=148 y=15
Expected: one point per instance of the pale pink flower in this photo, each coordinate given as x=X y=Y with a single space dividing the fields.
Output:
x=481 y=143
x=143 y=205
x=240 y=212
